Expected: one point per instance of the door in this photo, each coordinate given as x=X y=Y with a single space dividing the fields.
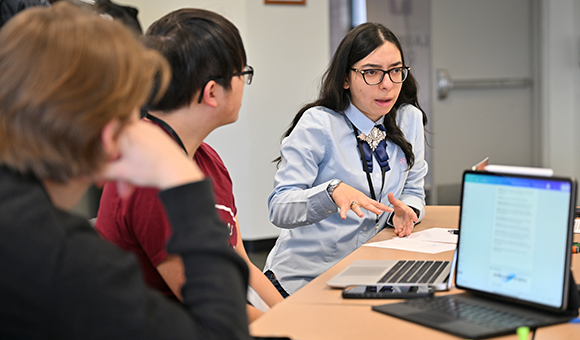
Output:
x=477 y=41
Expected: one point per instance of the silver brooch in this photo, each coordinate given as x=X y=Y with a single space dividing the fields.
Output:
x=374 y=138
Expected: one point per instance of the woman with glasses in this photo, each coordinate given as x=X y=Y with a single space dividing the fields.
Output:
x=208 y=60
x=352 y=162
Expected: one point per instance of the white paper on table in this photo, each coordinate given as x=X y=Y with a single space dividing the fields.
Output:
x=441 y=235
x=409 y=244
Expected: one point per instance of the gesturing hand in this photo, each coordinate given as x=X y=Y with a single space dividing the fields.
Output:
x=348 y=198
x=404 y=218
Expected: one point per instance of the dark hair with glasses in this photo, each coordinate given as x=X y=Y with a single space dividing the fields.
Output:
x=356 y=45
x=200 y=46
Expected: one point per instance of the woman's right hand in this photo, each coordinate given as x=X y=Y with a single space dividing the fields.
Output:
x=147 y=156
x=348 y=198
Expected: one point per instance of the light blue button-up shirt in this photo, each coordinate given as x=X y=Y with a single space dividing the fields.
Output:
x=323 y=147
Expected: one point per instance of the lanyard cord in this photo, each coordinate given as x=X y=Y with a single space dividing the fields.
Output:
x=167 y=128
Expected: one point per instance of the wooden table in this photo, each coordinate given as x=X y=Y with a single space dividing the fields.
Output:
x=317 y=312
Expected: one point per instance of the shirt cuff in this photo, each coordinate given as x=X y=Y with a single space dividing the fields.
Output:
x=321 y=200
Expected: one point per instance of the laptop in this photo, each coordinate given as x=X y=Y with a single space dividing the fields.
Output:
x=513 y=259
x=394 y=272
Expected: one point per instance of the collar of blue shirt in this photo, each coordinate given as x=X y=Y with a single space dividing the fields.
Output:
x=360 y=121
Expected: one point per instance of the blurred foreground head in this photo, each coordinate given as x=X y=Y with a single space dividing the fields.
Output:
x=64 y=74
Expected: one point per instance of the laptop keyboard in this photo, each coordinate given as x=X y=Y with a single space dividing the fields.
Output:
x=472 y=312
x=414 y=271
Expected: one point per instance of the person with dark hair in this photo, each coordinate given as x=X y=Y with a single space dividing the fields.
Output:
x=209 y=65
x=65 y=125
x=126 y=14
x=358 y=147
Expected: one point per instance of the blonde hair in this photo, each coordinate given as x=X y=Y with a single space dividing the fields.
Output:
x=64 y=74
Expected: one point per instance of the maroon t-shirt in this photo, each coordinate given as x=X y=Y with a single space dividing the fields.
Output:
x=139 y=223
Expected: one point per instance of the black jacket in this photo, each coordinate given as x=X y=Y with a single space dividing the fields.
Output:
x=9 y=8
x=60 y=280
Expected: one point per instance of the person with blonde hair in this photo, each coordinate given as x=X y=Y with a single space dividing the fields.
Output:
x=71 y=85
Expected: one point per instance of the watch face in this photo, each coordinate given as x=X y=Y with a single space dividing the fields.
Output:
x=332 y=185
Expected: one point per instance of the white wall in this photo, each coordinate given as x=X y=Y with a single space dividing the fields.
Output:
x=288 y=46
x=151 y=10
x=576 y=109
x=560 y=97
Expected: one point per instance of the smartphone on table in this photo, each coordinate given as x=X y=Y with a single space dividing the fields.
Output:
x=387 y=291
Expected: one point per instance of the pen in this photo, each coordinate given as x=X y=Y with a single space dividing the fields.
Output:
x=453 y=231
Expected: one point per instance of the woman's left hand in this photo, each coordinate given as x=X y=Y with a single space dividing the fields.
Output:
x=404 y=217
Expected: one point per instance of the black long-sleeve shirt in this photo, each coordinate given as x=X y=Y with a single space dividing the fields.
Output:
x=59 y=280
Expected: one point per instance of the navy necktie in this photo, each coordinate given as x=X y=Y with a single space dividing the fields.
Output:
x=375 y=144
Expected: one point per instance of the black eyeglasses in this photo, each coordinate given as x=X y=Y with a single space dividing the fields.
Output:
x=375 y=76
x=247 y=73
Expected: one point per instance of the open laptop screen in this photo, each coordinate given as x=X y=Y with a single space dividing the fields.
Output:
x=514 y=238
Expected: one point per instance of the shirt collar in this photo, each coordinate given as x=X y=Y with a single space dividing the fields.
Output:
x=362 y=122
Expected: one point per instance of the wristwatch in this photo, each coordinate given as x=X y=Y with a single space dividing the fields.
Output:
x=331 y=186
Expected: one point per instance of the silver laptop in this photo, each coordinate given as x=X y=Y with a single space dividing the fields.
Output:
x=394 y=272
x=513 y=259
